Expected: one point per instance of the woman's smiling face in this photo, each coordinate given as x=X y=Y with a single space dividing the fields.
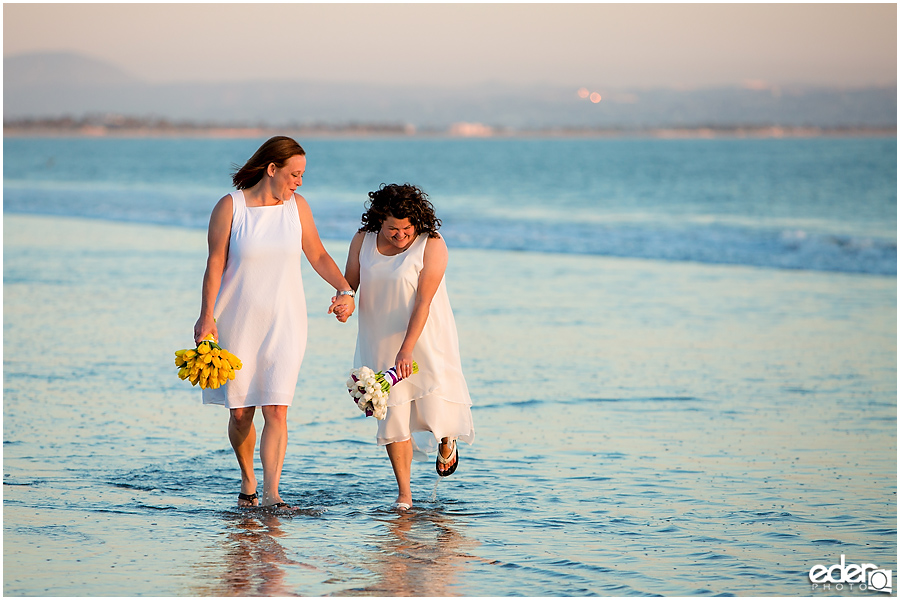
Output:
x=399 y=232
x=289 y=177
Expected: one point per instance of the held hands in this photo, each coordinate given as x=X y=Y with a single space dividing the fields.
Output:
x=342 y=307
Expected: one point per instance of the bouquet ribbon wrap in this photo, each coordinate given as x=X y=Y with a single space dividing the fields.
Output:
x=391 y=375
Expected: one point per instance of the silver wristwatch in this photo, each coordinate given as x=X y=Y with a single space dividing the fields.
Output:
x=350 y=293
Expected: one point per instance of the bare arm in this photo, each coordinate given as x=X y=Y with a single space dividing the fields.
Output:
x=436 y=257
x=351 y=272
x=217 y=238
x=322 y=263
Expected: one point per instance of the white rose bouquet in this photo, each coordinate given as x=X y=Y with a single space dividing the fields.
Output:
x=370 y=390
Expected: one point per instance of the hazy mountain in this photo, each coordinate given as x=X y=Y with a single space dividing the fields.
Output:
x=59 y=68
x=54 y=85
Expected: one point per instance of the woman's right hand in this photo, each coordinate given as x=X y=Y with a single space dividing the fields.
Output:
x=403 y=363
x=203 y=328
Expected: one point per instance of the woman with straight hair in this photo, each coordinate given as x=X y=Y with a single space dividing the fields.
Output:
x=253 y=304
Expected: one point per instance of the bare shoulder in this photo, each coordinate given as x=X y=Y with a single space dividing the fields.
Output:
x=436 y=253
x=223 y=208
x=358 y=238
x=436 y=244
x=224 y=202
x=356 y=243
x=220 y=225
x=304 y=212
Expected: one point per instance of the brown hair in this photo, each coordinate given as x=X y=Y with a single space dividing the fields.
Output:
x=278 y=150
x=404 y=201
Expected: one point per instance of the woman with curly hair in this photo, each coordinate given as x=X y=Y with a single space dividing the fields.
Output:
x=396 y=262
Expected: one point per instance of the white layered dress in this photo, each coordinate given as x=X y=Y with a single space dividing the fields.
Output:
x=261 y=307
x=433 y=403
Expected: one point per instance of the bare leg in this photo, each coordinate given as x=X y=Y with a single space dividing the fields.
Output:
x=272 y=446
x=446 y=451
x=401 y=454
x=242 y=435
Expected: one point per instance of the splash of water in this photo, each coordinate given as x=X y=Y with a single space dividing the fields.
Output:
x=434 y=491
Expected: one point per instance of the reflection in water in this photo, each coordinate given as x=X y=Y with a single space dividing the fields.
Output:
x=253 y=562
x=420 y=554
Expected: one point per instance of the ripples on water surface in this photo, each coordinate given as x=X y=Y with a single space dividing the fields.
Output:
x=652 y=428
x=821 y=204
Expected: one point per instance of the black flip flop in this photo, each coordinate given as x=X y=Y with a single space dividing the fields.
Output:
x=248 y=498
x=445 y=461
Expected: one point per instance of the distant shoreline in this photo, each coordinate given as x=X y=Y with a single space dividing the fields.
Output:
x=459 y=130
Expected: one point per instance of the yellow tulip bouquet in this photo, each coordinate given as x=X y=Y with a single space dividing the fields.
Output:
x=208 y=364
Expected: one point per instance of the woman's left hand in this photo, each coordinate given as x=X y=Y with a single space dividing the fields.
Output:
x=342 y=307
x=404 y=363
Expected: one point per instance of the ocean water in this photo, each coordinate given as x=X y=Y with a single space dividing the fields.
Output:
x=813 y=204
x=709 y=423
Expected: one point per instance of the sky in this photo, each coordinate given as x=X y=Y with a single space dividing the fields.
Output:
x=587 y=44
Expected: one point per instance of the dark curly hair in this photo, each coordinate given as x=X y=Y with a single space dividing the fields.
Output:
x=404 y=201
x=278 y=150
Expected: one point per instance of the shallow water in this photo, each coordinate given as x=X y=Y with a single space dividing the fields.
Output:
x=642 y=428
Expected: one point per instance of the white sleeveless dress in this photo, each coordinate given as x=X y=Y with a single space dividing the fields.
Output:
x=261 y=308
x=433 y=403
